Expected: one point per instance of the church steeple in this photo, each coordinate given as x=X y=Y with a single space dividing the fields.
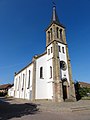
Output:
x=55 y=30
x=55 y=18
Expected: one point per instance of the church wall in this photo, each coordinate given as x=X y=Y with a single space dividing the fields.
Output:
x=43 y=85
x=21 y=83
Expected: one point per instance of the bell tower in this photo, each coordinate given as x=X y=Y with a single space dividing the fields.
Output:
x=63 y=85
x=55 y=30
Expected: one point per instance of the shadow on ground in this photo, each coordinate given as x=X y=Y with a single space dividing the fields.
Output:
x=8 y=111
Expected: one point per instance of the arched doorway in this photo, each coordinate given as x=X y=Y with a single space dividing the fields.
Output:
x=65 y=87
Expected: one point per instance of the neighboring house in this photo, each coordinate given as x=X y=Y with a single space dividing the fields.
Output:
x=49 y=75
x=11 y=91
x=84 y=85
x=4 y=88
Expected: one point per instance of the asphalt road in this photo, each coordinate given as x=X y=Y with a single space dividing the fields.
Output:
x=29 y=111
x=57 y=116
x=8 y=111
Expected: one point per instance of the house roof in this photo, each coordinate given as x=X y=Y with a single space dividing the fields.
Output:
x=5 y=86
x=83 y=84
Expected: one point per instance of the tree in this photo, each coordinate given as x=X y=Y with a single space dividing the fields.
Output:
x=81 y=91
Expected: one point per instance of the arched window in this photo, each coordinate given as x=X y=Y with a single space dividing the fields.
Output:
x=41 y=72
x=23 y=81
x=50 y=72
x=48 y=51
x=57 y=32
x=29 y=72
x=61 y=34
x=18 y=83
x=51 y=34
x=59 y=47
x=63 y=50
x=51 y=50
x=48 y=36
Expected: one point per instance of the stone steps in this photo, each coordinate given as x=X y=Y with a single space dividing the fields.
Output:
x=80 y=108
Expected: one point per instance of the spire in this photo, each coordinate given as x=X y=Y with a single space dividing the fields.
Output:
x=54 y=15
x=55 y=18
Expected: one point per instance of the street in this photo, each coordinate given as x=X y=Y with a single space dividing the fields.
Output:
x=29 y=111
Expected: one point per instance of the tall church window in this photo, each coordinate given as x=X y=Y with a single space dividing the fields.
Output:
x=61 y=34
x=41 y=72
x=48 y=36
x=23 y=81
x=63 y=50
x=48 y=51
x=51 y=34
x=51 y=49
x=59 y=48
x=50 y=72
x=29 y=72
x=18 y=83
x=57 y=32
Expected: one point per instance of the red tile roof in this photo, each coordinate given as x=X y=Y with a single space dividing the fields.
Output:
x=83 y=84
x=5 y=86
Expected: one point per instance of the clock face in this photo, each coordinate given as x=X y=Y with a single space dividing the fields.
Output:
x=63 y=65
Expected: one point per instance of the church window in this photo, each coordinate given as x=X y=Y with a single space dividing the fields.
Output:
x=63 y=50
x=29 y=79
x=57 y=32
x=51 y=49
x=51 y=34
x=41 y=72
x=18 y=83
x=60 y=34
x=23 y=81
x=59 y=48
x=50 y=72
x=48 y=36
x=48 y=51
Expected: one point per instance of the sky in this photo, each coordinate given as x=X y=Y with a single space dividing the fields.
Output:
x=22 y=34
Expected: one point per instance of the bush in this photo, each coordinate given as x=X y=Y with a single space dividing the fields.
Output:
x=81 y=92
x=2 y=94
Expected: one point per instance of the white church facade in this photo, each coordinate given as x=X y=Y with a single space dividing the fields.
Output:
x=49 y=75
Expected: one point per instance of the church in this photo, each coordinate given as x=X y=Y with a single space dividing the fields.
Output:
x=49 y=75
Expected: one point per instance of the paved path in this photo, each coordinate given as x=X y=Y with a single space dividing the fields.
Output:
x=56 y=116
x=18 y=109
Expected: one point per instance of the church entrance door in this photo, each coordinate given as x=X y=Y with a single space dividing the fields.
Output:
x=64 y=92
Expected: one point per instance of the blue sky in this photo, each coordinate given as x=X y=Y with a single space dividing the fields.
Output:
x=22 y=34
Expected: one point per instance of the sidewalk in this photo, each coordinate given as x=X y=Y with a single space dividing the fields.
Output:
x=65 y=106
